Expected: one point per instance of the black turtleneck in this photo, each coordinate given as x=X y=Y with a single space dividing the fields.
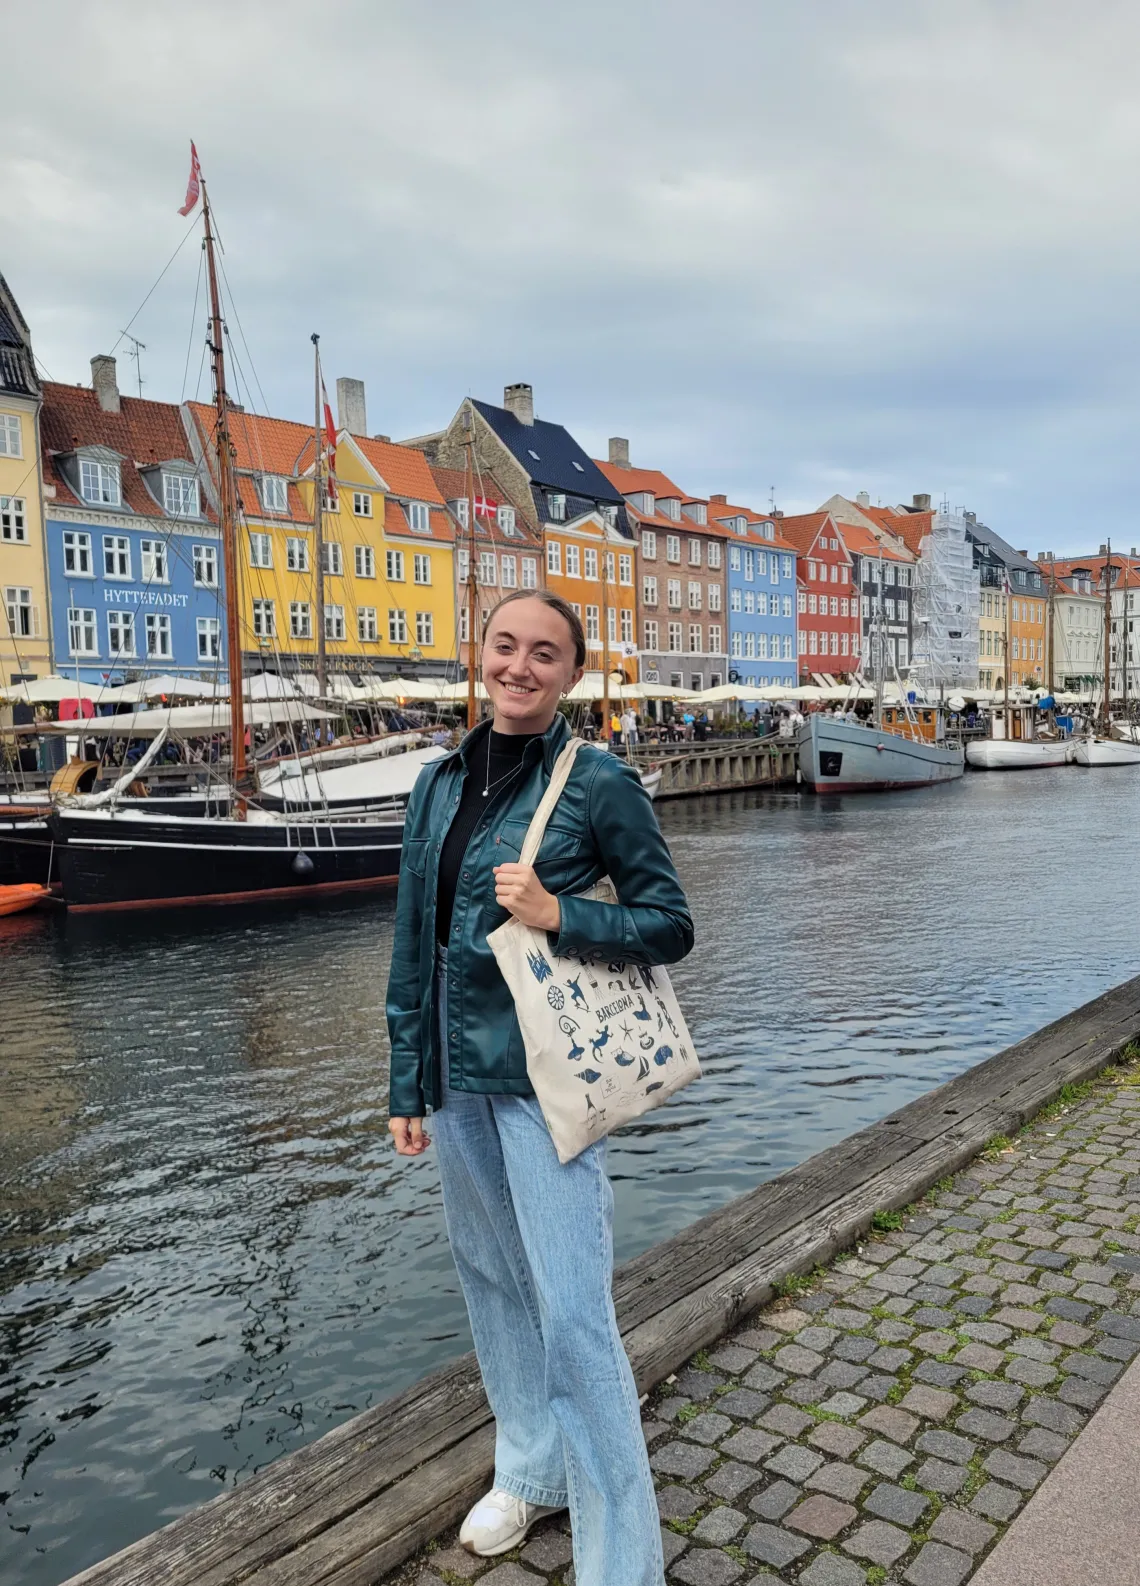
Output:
x=494 y=764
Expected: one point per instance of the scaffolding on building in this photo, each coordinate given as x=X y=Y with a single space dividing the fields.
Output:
x=946 y=608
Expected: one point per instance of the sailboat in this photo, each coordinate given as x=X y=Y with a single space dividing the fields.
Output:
x=1101 y=749
x=900 y=747
x=1013 y=743
x=114 y=857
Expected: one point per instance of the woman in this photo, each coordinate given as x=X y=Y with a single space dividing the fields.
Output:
x=532 y=1239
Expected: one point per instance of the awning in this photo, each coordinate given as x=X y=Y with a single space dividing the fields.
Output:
x=188 y=721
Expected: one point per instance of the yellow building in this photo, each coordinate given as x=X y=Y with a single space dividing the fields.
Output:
x=387 y=538
x=991 y=636
x=25 y=627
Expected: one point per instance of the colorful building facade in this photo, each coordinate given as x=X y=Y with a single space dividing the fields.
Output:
x=828 y=621
x=25 y=623
x=761 y=583
x=133 y=548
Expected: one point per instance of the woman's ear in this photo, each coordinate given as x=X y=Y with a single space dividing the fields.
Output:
x=579 y=674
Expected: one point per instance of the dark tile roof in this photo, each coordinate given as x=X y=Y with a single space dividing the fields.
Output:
x=1004 y=552
x=548 y=452
x=17 y=367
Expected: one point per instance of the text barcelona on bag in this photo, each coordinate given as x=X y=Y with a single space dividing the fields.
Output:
x=604 y=1043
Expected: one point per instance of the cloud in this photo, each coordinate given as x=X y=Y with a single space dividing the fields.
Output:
x=880 y=244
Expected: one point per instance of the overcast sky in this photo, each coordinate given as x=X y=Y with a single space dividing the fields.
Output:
x=808 y=245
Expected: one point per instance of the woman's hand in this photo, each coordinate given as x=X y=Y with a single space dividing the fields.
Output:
x=521 y=893
x=408 y=1136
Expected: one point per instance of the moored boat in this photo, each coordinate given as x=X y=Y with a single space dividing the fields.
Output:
x=1104 y=751
x=1012 y=754
x=841 y=756
x=15 y=899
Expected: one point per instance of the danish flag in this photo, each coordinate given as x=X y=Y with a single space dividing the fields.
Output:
x=194 y=185
x=485 y=508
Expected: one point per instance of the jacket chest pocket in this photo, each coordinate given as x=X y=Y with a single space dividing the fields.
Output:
x=560 y=857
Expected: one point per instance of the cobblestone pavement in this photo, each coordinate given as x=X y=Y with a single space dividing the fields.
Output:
x=888 y=1420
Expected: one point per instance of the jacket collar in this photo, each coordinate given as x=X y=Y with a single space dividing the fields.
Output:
x=554 y=740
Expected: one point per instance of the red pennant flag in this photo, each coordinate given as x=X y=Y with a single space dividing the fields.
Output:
x=194 y=185
x=330 y=432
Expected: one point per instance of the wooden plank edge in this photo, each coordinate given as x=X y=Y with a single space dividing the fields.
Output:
x=671 y=1336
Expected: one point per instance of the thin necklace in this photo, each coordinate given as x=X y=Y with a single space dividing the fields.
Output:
x=488 y=785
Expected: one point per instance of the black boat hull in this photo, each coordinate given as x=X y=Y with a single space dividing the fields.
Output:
x=126 y=864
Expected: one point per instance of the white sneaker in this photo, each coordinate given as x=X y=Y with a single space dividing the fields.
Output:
x=499 y=1522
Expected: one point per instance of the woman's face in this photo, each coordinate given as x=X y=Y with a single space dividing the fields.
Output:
x=528 y=664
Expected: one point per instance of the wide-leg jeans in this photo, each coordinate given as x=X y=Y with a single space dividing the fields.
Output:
x=533 y=1242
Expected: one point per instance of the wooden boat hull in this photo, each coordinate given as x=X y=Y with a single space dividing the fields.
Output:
x=114 y=861
x=837 y=756
x=1012 y=754
x=1104 y=751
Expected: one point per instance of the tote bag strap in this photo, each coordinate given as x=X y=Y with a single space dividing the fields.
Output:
x=558 y=779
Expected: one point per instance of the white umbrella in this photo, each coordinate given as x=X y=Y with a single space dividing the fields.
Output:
x=50 y=690
x=165 y=686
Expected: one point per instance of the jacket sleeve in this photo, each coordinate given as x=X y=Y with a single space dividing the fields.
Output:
x=405 y=994
x=651 y=923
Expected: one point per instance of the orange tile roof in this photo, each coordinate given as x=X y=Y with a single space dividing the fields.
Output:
x=142 y=432
x=262 y=445
x=803 y=528
x=396 y=522
x=912 y=528
x=862 y=541
x=403 y=469
x=452 y=484
x=632 y=480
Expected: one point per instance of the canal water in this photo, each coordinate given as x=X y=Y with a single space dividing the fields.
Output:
x=208 y=1253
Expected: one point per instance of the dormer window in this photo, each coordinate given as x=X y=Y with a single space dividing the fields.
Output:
x=180 y=496
x=556 y=507
x=670 y=508
x=609 y=516
x=769 y=530
x=419 y=517
x=645 y=501
x=274 y=493
x=697 y=511
x=462 y=510
x=99 y=483
x=505 y=518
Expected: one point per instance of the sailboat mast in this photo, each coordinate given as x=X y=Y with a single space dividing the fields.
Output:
x=1051 y=629
x=471 y=593
x=607 y=730
x=227 y=513
x=1107 y=636
x=318 y=520
x=1006 y=604
x=880 y=644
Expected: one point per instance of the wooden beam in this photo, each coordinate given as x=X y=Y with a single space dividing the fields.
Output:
x=360 y=1500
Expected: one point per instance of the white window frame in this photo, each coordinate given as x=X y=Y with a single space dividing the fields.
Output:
x=694 y=552
x=394 y=566
x=556 y=506
x=180 y=497
x=209 y=635
x=121 y=633
x=205 y=562
x=553 y=557
x=82 y=621
x=296 y=554
x=714 y=558
x=573 y=562
x=366 y=630
x=676 y=638
x=488 y=568
x=264 y=618
x=589 y=563
x=362 y=503
x=649 y=544
x=421 y=568
x=419 y=517
x=13 y=520
x=273 y=492
x=260 y=549
x=695 y=593
x=508 y=576
x=714 y=638
x=648 y=589
x=673 y=594
x=673 y=548
x=530 y=572
x=734 y=558
x=77 y=550
x=100 y=484
x=157 y=628
x=364 y=560
x=116 y=556
x=300 y=619
x=625 y=570
x=626 y=625
x=335 y=631
x=425 y=629
x=505 y=518
x=696 y=638
x=593 y=627
x=397 y=625
x=650 y=633
x=155 y=561
x=334 y=558
x=11 y=435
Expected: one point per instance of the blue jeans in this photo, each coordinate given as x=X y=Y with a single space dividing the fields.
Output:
x=533 y=1243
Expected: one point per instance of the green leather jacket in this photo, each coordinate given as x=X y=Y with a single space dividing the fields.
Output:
x=602 y=825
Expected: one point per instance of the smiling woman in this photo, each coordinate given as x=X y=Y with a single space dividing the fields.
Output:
x=532 y=1238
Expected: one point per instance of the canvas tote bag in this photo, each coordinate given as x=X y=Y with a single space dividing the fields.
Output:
x=604 y=1042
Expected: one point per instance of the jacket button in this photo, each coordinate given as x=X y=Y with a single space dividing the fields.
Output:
x=467 y=875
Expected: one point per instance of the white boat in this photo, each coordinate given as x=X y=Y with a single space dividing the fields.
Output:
x=651 y=780
x=840 y=756
x=299 y=784
x=1016 y=754
x=1126 y=732
x=1104 y=751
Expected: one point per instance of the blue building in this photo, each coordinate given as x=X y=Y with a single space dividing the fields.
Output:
x=134 y=554
x=761 y=578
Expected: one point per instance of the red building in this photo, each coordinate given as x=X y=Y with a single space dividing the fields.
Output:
x=828 y=621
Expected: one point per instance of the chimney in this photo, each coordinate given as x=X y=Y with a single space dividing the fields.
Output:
x=1023 y=553
x=619 y=451
x=519 y=400
x=350 y=410
x=970 y=517
x=921 y=503
x=1102 y=550
x=103 y=381
x=721 y=501
x=777 y=512
x=862 y=499
x=1043 y=556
